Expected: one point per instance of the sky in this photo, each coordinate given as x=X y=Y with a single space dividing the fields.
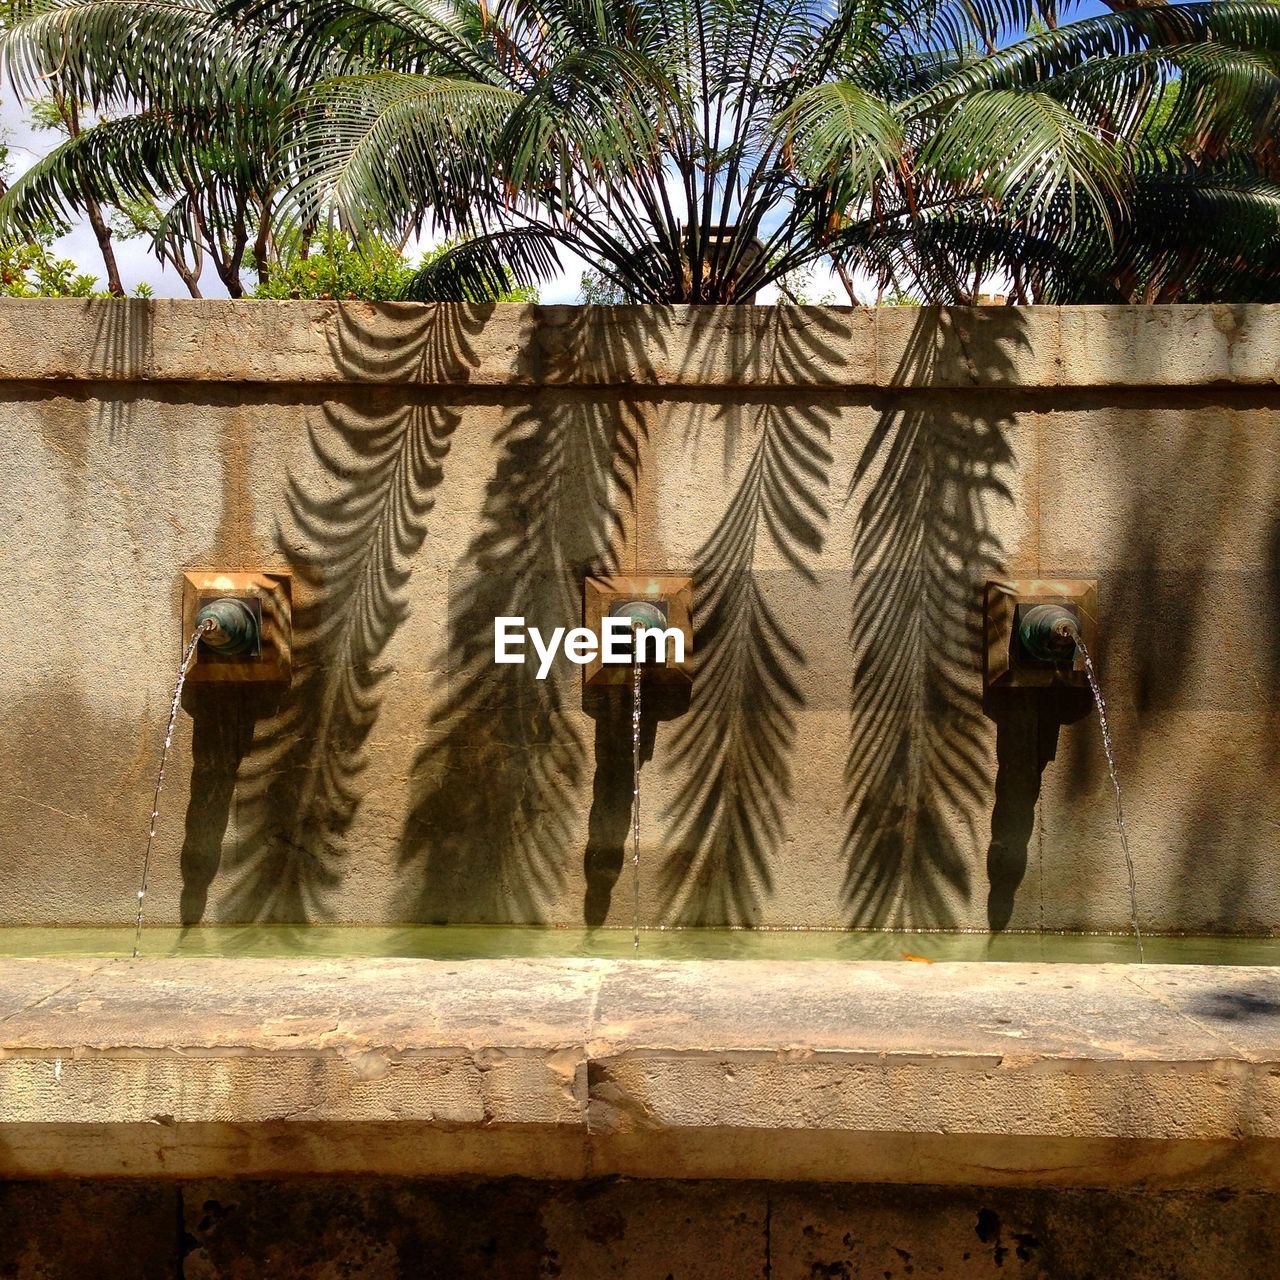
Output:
x=138 y=265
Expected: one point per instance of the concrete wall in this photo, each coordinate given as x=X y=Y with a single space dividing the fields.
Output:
x=839 y=483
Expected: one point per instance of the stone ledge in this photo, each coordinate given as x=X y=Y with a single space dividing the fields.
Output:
x=510 y=345
x=997 y=1074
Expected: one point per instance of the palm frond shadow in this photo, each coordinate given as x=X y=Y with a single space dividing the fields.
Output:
x=349 y=537
x=493 y=790
x=733 y=749
x=122 y=348
x=917 y=772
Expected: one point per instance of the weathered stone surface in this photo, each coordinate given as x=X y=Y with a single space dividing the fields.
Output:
x=1062 y=1075
x=61 y=1230
x=839 y=483
x=401 y=1229
x=516 y=345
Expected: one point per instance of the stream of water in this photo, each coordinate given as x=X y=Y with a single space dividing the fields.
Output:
x=637 y=672
x=1115 y=786
x=188 y=657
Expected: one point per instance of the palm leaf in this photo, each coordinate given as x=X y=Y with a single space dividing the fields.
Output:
x=1021 y=149
x=381 y=149
x=484 y=269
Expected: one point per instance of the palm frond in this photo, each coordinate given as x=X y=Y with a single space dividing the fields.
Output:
x=380 y=150
x=120 y=54
x=840 y=132
x=484 y=269
x=1021 y=149
x=141 y=157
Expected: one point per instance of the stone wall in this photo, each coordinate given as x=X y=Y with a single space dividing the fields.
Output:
x=396 y=1229
x=840 y=484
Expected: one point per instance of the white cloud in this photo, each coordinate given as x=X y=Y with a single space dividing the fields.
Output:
x=138 y=265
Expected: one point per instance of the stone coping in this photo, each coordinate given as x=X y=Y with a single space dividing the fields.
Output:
x=515 y=345
x=1074 y=1075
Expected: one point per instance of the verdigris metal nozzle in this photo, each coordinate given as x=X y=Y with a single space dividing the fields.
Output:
x=642 y=613
x=1049 y=633
x=229 y=627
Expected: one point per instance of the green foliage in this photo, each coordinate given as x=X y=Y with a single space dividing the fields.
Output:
x=596 y=292
x=132 y=218
x=686 y=150
x=45 y=114
x=33 y=270
x=336 y=268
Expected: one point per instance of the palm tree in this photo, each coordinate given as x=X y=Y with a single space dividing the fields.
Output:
x=696 y=150
x=1196 y=213
x=188 y=138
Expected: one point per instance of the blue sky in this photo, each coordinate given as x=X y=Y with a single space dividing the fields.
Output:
x=138 y=264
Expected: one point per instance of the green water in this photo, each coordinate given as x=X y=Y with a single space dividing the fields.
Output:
x=466 y=942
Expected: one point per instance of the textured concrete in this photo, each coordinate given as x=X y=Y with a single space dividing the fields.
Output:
x=1089 y=1076
x=395 y=1229
x=503 y=345
x=838 y=483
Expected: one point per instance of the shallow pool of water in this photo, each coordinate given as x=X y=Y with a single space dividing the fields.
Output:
x=455 y=942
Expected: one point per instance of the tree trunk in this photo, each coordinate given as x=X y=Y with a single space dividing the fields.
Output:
x=93 y=210
x=229 y=274
x=847 y=280
x=188 y=277
x=227 y=259
x=262 y=245
x=103 y=234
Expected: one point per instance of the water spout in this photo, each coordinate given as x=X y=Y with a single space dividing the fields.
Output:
x=230 y=627
x=1115 y=786
x=205 y=628
x=1037 y=634
x=636 y=679
x=1049 y=633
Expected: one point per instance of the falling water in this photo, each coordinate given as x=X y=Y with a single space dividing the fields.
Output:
x=637 y=670
x=1115 y=784
x=187 y=658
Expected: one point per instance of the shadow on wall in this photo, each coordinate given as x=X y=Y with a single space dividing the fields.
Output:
x=123 y=348
x=733 y=751
x=917 y=772
x=498 y=777
x=349 y=537
x=503 y=761
x=223 y=720
x=1027 y=726
x=1198 y=573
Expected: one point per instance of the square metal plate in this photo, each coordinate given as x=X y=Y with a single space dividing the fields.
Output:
x=601 y=595
x=271 y=596
x=1003 y=663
